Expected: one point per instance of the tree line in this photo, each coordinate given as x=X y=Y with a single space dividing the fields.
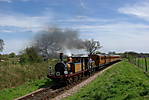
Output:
x=49 y=43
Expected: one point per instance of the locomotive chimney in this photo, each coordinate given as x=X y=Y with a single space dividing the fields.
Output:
x=61 y=56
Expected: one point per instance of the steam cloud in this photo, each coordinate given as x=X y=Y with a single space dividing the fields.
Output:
x=56 y=39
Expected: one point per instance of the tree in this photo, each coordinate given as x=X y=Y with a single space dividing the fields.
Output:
x=47 y=45
x=30 y=55
x=97 y=52
x=12 y=55
x=112 y=52
x=91 y=46
x=1 y=45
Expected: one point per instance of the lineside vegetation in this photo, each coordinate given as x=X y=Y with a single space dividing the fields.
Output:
x=13 y=75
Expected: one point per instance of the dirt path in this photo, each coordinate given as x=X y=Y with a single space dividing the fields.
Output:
x=80 y=85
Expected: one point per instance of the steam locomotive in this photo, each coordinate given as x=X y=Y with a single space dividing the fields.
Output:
x=78 y=66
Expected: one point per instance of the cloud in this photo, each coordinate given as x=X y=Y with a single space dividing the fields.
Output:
x=17 y=29
x=82 y=4
x=23 y=22
x=5 y=31
x=10 y=1
x=86 y=19
x=118 y=36
x=15 y=45
x=114 y=34
x=139 y=9
x=114 y=26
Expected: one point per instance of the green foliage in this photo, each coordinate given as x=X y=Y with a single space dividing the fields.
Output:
x=24 y=59
x=112 y=52
x=12 y=55
x=97 y=52
x=122 y=82
x=12 y=75
x=30 y=55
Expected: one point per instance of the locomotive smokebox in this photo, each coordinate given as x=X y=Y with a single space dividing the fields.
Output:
x=61 y=56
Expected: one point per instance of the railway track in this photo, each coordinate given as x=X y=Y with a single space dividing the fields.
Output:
x=52 y=91
x=48 y=93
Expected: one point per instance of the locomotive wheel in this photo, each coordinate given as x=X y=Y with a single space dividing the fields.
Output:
x=67 y=82
x=89 y=73
x=82 y=75
x=74 y=79
x=71 y=80
x=79 y=77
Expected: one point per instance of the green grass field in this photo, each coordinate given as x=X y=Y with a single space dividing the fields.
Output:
x=123 y=81
x=12 y=93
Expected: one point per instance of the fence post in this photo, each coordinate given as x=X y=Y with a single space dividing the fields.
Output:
x=135 y=60
x=145 y=64
x=142 y=62
x=138 y=63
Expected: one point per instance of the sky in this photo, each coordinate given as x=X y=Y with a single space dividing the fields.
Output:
x=119 y=25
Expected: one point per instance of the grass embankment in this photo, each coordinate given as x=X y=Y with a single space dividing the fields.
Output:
x=123 y=81
x=17 y=80
x=12 y=93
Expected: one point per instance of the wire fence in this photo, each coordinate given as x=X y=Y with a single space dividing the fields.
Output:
x=141 y=62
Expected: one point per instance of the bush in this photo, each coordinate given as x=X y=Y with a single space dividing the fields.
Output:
x=12 y=55
x=30 y=55
x=12 y=75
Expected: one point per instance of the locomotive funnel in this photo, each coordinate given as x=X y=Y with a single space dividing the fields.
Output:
x=61 y=56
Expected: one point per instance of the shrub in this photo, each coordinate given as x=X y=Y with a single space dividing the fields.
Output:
x=12 y=55
x=30 y=55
